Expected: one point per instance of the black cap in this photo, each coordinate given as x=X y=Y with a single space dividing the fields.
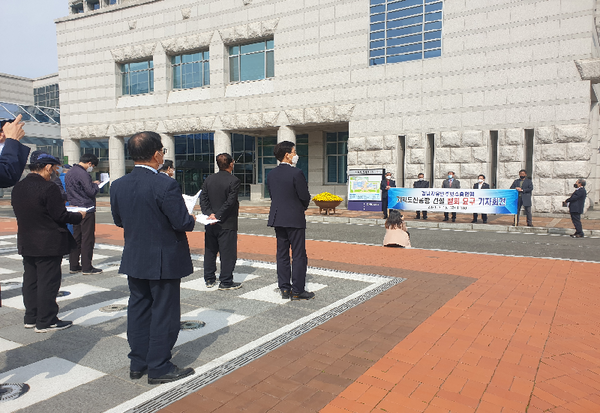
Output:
x=4 y=122
x=43 y=158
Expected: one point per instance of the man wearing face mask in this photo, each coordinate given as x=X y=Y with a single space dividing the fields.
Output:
x=81 y=192
x=386 y=183
x=576 y=203
x=453 y=183
x=421 y=183
x=289 y=199
x=524 y=186
x=481 y=184
x=42 y=240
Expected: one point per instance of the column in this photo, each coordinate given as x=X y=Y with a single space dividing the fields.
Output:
x=285 y=133
x=116 y=159
x=222 y=144
x=168 y=142
x=71 y=149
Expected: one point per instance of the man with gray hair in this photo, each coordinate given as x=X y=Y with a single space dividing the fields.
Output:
x=576 y=203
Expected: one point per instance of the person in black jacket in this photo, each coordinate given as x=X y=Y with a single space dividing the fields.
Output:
x=13 y=154
x=576 y=203
x=42 y=240
x=481 y=184
x=386 y=183
x=289 y=199
x=524 y=186
x=421 y=183
x=219 y=200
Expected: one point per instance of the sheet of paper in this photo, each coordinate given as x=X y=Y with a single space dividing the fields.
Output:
x=104 y=177
x=190 y=201
x=101 y=184
x=204 y=220
x=78 y=209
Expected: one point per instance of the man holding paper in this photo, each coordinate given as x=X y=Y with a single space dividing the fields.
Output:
x=81 y=192
x=219 y=200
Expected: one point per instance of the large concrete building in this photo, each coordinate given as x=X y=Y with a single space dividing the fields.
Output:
x=472 y=86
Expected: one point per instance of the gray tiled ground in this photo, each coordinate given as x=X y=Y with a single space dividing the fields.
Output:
x=100 y=348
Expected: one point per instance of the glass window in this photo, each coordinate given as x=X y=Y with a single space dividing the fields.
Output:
x=252 y=61
x=194 y=160
x=97 y=147
x=336 y=148
x=137 y=77
x=46 y=96
x=411 y=29
x=191 y=70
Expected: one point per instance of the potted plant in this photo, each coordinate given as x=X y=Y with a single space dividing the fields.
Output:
x=328 y=202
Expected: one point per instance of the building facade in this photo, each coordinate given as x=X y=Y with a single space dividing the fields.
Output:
x=486 y=86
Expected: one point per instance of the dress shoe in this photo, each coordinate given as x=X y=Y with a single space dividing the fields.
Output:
x=303 y=296
x=232 y=286
x=418 y=217
x=529 y=225
x=485 y=222
x=59 y=325
x=424 y=217
x=453 y=219
x=175 y=374
x=92 y=271
x=286 y=294
x=445 y=219
x=475 y=221
x=136 y=375
x=211 y=284
x=577 y=236
x=75 y=270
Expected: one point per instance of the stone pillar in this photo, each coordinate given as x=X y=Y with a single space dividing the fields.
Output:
x=116 y=161
x=222 y=144
x=71 y=148
x=168 y=142
x=162 y=75
x=285 y=133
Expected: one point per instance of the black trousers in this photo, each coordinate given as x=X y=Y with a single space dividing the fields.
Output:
x=446 y=215
x=384 y=207
x=291 y=275
x=483 y=217
x=85 y=235
x=576 y=219
x=41 y=282
x=153 y=315
x=419 y=214
x=527 y=212
x=224 y=242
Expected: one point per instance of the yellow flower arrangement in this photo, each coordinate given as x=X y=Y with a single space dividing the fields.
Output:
x=326 y=196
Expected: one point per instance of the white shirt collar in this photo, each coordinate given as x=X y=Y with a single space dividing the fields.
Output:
x=147 y=167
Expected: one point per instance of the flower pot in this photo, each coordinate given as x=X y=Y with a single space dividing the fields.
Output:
x=328 y=206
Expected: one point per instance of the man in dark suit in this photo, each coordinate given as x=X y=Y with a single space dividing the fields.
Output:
x=13 y=154
x=386 y=184
x=219 y=200
x=149 y=207
x=42 y=240
x=453 y=183
x=421 y=183
x=524 y=186
x=576 y=203
x=481 y=184
x=289 y=199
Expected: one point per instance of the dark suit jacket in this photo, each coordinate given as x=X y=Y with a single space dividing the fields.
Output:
x=527 y=189
x=384 y=192
x=421 y=184
x=219 y=196
x=484 y=186
x=577 y=200
x=455 y=183
x=81 y=191
x=151 y=210
x=42 y=218
x=12 y=162
x=289 y=197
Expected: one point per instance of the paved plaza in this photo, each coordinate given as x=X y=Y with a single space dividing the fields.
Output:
x=390 y=330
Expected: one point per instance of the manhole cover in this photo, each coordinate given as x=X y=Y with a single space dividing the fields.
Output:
x=191 y=325
x=113 y=308
x=63 y=293
x=12 y=391
x=9 y=283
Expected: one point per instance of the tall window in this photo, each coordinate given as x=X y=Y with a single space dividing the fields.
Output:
x=46 y=96
x=138 y=77
x=194 y=160
x=97 y=147
x=403 y=30
x=252 y=61
x=191 y=70
x=244 y=154
x=337 y=157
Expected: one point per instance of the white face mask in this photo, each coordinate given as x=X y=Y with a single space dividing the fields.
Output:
x=450 y=176
x=481 y=181
x=60 y=170
x=295 y=159
x=421 y=179
x=90 y=168
x=159 y=166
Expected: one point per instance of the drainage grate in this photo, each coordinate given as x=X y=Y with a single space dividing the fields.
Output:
x=113 y=308
x=63 y=293
x=191 y=325
x=11 y=391
x=216 y=373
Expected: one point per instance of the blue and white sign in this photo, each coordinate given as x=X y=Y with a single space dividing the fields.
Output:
x=484 y=201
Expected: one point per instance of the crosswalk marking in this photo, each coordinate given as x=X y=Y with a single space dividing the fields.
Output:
x=270 y=293
x=76 y=290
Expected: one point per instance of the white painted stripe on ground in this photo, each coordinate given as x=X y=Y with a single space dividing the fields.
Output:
x=12 y=287
x=47 y=378
x=7 y=243
x=6 y=345
x=76 y=290
x=91 y=315
x=200 y=285
x=271 y=294
x=9 y=236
